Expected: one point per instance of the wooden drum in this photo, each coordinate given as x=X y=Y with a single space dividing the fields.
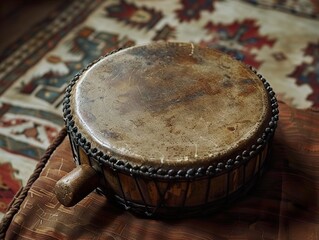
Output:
x=167 y=129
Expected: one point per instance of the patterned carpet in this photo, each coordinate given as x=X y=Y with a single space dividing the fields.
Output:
x=279 y=38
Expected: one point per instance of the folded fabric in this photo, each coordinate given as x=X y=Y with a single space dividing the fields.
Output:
x=283 y=205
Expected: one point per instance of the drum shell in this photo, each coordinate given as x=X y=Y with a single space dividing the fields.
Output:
x=172 y=196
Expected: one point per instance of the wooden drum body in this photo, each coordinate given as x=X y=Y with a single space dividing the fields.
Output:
x=168 y=129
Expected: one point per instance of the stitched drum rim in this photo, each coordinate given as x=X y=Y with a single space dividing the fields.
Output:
x=162 y=173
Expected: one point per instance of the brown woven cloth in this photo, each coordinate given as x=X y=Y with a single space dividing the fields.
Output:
x=283 y=205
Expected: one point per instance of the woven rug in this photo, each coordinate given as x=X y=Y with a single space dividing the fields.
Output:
x=279 y=38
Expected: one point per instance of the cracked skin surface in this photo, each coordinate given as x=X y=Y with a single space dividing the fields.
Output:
x=170 y=105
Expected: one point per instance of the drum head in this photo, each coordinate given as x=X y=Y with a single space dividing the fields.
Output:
x=170 y=104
